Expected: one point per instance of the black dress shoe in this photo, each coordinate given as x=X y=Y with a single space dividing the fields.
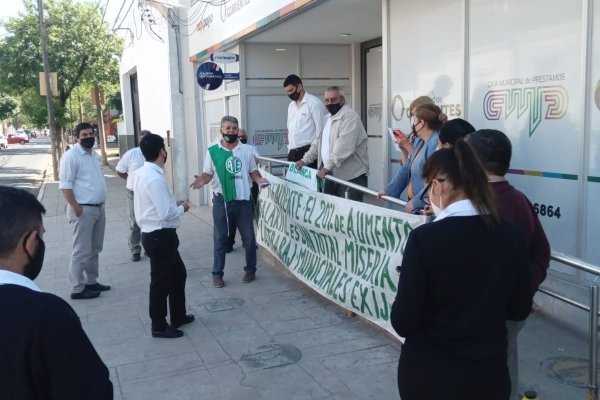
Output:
x=135 y=257
x=86 y=293
x=186 y=320
x=98 y=287
x=168 y=333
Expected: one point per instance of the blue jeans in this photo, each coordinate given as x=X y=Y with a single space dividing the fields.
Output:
x=240 y=211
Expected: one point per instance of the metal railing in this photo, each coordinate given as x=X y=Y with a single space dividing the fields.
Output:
x=573 y=262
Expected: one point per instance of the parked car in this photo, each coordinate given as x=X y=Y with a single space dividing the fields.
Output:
x=21 y=139
x=111 y=139
x=3 y=142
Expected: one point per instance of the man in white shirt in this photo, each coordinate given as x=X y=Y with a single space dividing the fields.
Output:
x=305 y=119
x=157 y=214
x=341 y=149
x=228 y=166
x=128 y=164
x=84 y=188
x=44 y=352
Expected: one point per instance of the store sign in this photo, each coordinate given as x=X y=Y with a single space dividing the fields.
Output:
x=210 y=76
x=224 y=58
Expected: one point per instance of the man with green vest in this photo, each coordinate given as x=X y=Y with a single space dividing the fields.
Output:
x=228 y=167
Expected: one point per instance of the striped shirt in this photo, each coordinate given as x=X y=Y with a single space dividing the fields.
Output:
x=233 y=167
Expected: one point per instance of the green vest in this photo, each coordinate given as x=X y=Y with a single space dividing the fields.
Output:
x=226 y=168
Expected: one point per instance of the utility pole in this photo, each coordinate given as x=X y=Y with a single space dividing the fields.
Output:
x=54 y=135
x=100 y=118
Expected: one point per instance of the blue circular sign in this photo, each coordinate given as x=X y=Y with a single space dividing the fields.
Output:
x=209 y=76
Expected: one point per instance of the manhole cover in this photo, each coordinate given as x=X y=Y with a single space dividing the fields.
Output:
x=569 y=370
x=271 y=356
x=217 y=305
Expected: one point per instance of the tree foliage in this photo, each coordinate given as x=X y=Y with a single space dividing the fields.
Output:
x=8 y=106
x=81 y=47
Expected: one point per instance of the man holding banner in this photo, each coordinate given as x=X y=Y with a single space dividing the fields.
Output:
x=228 y=166
x=341 y=149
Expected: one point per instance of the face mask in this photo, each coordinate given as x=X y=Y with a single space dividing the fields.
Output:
x=333 y=108
x=230 y=138
x=87 y=142
x=295 y=95
x=244 y=140
x=34 y=266
x=436 y=210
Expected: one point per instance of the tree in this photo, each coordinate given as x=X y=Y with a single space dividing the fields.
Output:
x=8 y=106
x=82 y=50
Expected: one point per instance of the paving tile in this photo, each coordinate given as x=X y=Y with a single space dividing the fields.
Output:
x=159 y=368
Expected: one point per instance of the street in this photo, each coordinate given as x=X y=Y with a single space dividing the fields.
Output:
x=24 y=165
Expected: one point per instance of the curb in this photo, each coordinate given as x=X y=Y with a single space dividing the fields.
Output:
x=40 y=195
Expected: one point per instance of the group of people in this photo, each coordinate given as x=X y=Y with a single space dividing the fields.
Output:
x=461 y=307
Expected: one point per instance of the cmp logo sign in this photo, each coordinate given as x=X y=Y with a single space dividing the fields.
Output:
x=233 y=165
x=541 y=102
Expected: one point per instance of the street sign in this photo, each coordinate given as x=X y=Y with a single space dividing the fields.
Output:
x=224 y=58
x=53 y=83
x=209 y=76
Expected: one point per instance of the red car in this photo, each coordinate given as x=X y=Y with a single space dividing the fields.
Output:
x=14 y=139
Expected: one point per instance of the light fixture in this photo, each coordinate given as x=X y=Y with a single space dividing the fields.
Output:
x=345 y=34
x=280 y=49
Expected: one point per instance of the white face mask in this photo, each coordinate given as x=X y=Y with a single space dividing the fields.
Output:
x=436 y=210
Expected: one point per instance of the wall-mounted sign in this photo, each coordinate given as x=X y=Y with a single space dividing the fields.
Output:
x=231 y=76
x=224 y=58
x=209 y=75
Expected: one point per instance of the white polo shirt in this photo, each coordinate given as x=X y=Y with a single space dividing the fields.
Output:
x=305 y=121
x=154 y=205
x=243 y=182
x=129 y=163
x=82 y=173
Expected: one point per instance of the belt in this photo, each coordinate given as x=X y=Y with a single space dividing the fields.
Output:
x=93 y=205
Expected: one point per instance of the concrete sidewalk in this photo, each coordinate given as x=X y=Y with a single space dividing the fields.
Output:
x=270 y=339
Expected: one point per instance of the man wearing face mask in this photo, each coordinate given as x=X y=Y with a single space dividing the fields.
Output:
x=83 y=187
x=158 y=214
x=228 y=167
x=341 y=149
x=44 y=352
x=305 y=119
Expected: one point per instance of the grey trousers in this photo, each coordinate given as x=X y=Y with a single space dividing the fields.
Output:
x=135 y=235
x=88 y=239
x=512 y=334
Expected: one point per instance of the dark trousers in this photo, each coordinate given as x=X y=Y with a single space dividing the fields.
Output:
x=338 y=190
x=233 y=222
x=297 y=154
x=167 y=277
x=241 y=212
x=453 y=381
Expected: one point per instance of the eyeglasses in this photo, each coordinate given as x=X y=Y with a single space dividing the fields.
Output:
x=425 y=193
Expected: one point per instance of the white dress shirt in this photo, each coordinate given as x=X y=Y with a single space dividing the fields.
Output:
x=153 y=203
x=129 y=163
x=305 y=121
x=325 y=143
x=81 y=172
x=461 y=208
x=11 y=278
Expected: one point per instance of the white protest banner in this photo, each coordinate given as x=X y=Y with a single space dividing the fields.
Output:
x=345 y=250
x=305 y=177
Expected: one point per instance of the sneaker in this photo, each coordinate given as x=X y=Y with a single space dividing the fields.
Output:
x=186 y=320
x=85 y=294
x=135 y=257
x=218 y=281
x=249 y=277
x=98 y=287
x=168 y=333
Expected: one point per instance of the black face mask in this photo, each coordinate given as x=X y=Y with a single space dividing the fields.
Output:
x=295 y=95
x=230 y=138
x=333 y=108
x=34 y=266
x=244 y=140
x=87 y=142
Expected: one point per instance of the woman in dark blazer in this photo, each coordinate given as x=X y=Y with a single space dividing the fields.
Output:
x=462 y=277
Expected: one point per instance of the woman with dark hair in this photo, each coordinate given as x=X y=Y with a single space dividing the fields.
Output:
x=426 y=122
x=453 y=130
x=463 y=276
